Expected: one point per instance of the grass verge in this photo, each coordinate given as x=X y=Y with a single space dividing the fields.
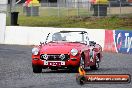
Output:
x=114 y=22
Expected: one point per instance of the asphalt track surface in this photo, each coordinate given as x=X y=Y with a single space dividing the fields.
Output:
x=16 y=70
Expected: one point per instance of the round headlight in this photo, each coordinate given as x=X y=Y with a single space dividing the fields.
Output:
x=35 y=51
x=74 y=52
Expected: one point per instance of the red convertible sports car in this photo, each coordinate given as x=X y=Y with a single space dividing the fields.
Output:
x=66 y=50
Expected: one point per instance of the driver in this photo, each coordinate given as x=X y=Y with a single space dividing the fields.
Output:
x=56 y=37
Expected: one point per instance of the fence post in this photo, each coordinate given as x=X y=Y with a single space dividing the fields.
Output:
x=77 y=7
x=67 y=4
x=98 y=10
x=89 y=6
x=58 y=5
x=109 y=9
x=48 y=12
x=10 y=10
x=120 y=6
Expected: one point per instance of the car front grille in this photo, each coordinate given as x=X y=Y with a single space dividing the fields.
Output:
x=55 y=57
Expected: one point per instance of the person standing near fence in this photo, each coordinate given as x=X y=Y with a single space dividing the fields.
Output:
x=92 y=2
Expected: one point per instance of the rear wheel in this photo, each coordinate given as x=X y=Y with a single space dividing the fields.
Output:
x=96 y=66
x=36 y=69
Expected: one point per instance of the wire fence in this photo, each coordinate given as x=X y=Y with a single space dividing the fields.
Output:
x=61 y=9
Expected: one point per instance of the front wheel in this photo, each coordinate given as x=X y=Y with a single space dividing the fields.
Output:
x=96 y=66
x=36 y=69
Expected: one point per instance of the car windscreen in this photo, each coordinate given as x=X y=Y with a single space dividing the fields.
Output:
x=68 y=37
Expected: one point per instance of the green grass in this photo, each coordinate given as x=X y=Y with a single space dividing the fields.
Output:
x=77 y=22
x=67 y=17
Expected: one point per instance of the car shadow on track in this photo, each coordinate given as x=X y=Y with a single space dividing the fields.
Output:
x=58 y=71
x=66 y=71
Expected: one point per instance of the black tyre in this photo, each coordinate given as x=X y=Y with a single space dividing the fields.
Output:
x=36 y=69
x=96 y=66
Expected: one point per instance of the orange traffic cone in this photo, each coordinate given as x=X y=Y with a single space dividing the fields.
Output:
x=81 y=71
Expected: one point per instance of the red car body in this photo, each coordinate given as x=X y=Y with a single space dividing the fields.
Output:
x=55 y=55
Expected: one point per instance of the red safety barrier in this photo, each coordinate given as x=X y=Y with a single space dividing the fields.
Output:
x=109 y=44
